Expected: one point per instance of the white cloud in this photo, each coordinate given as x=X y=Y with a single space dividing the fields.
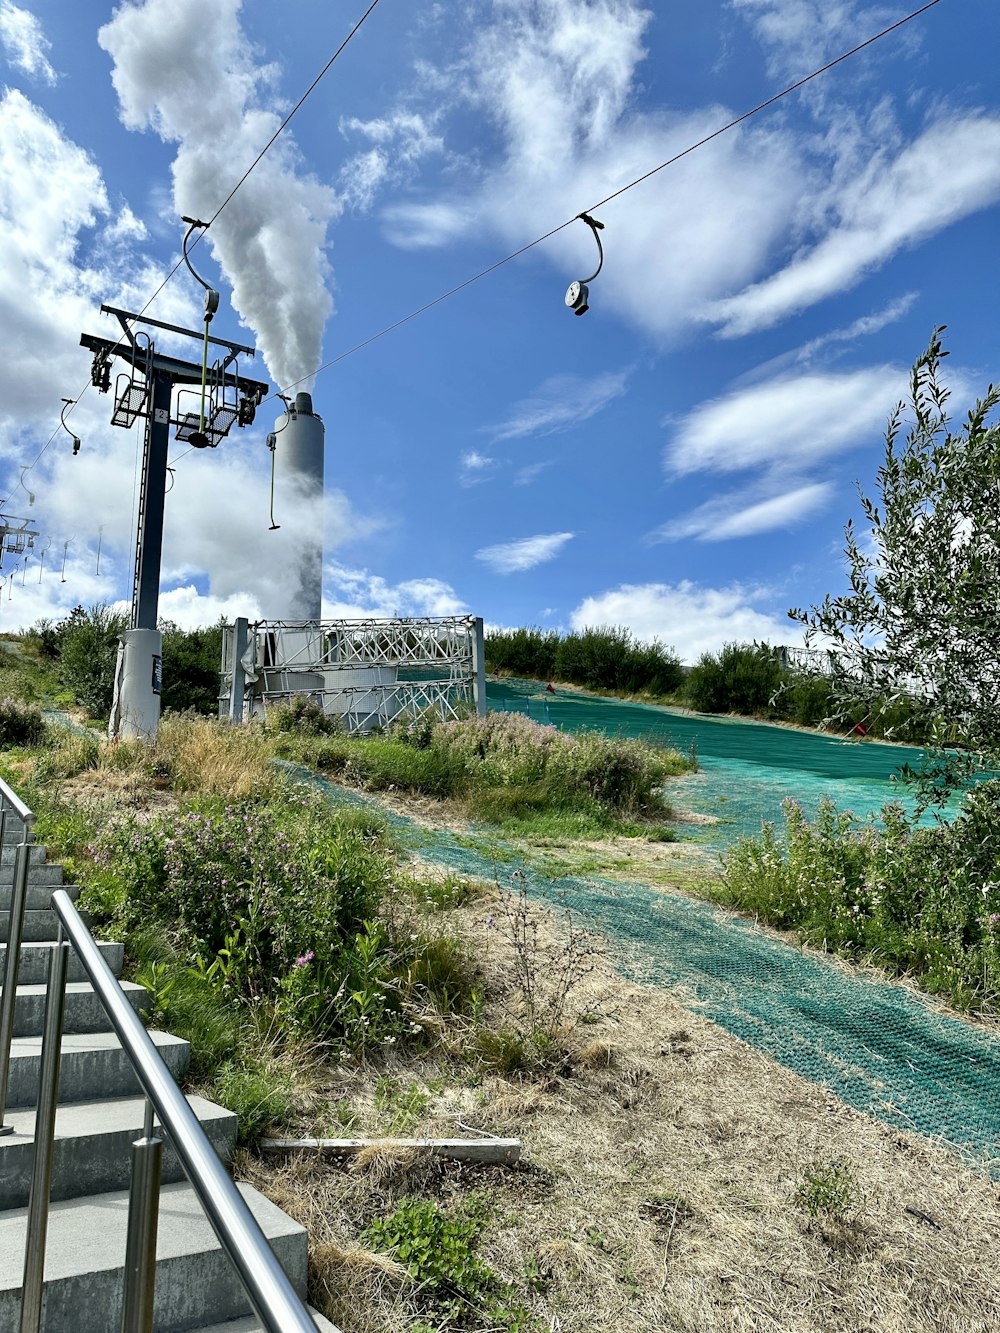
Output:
x=525 y=553
x=725 y=517
x=800 y=35
x=773 y=216
x=475 y=467
x=788 y=421
x=691 y=619
x=185 y=69
x=24 y=42
x=562 y=402
x=557 y=81
x=950 y=171
x=358 y=593
x=526 y=476
x=399 y=140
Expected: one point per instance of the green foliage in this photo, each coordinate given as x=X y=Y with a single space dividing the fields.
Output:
x=87 y=652
x=741 y=678
x=454 y=1287
x=828 y=1189
x=20 y=724
x=259 y=1093
x=505 y=767
x=302 y=715
x=522 y=652
x=918 y=901
x=191 y=661
x=921 y=621
x=596 y=658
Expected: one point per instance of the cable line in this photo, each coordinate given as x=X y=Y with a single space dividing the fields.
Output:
x=228 y=199
x=516 y=254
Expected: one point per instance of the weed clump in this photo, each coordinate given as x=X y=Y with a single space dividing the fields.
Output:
x=923 y=902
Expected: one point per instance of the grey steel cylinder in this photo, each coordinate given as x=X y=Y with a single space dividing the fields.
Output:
x=300 y=439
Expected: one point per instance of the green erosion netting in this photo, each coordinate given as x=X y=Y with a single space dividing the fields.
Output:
x=746 y=768
x=879 y=1047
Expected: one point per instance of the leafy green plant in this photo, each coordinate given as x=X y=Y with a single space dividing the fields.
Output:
x=438 y=1248
x=828 y=1189
x=258 y=1093
x=924 y=901
x=20 y=723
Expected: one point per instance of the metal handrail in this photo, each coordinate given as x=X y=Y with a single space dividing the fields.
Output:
x=270 y=1292
x=11 y=798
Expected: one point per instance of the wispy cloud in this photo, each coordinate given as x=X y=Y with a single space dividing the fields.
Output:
x=526 y=476
x=724 y=518
x=950 y=171
x=525 y=553
x=357 y=593
x=555 y=88
x=24 y=42
x=788 y=421
x=562 y=402
x=399 y=141
x=475 y=467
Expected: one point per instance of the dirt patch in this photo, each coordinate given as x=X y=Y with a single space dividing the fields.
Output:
x=667 y=1179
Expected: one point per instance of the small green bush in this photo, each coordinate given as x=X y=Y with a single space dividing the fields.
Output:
x=437 y=1246
x=741 y=678
x=88 y=651
x=920 y=901
x=20 y=724
x=827 y=1189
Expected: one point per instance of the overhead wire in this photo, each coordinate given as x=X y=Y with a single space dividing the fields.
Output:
x=228 y=199
x=615 y=194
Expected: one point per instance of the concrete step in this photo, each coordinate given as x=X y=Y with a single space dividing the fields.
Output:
x=34 y=965
x=93 y=1065
x=195 y=1282
x=37 y=853
x=92 y=1152
x=39 y=924
x=42 y=873
x=250 y=1325
x=83 y=1010
x=39 y=895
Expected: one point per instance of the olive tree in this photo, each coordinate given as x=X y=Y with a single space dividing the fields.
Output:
x=918 y=633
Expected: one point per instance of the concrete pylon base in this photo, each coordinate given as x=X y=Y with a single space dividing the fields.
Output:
x=135 y=712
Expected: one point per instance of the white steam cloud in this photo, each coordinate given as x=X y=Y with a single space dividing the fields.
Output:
x=184 y=68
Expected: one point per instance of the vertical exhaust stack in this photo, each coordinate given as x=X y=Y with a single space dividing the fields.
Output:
x=299 y=465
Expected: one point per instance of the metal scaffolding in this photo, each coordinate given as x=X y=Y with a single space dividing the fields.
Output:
x=366 y=673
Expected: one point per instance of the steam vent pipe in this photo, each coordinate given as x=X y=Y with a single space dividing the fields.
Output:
x=299 y=464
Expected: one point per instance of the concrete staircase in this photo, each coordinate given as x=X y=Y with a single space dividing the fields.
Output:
x=100 y=1113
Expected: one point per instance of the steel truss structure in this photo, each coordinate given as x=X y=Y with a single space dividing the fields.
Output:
x=366 y=673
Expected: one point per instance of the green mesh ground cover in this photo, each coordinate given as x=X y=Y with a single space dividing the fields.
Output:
x=747 y=768
x=879 y=1047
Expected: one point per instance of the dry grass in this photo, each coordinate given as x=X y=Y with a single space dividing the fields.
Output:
x=658 y=1189
x=201 y=754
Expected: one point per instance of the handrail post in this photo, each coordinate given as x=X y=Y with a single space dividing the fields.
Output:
x=12 y=962
x=45 y=1126
x=143 y=1217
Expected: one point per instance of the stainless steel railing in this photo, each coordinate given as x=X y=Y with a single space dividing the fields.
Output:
x=270 y=1293
x=11 y=804
x=268 y=1288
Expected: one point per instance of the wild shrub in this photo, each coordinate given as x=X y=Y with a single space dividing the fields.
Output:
x=191 y=661
x=740 y=678
x=522 y=652
x=20 y=723
x=924 y=901
x=301 y=715
x=88 y=651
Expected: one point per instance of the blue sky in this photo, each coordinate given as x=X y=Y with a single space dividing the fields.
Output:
x=680 y=460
